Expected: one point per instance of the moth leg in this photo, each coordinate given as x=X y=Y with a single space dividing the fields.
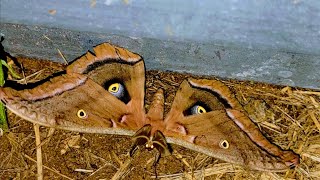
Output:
x=137 y=142
x=133 y=149
x=156 y=161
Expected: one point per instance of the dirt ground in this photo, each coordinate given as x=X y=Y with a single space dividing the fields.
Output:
x=288 y=116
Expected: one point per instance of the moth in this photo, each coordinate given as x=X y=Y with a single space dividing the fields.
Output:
x=104 y=91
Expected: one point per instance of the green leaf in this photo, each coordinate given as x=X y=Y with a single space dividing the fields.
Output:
x=11 y=71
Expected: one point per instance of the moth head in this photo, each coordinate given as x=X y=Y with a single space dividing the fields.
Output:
x=149 y=145
x=150 y=141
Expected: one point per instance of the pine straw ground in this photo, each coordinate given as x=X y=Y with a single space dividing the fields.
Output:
x=287 y=116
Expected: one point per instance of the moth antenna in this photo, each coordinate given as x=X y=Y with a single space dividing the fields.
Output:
x=157 y=106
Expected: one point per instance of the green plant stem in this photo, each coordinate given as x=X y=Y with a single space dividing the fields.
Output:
x=3 y=118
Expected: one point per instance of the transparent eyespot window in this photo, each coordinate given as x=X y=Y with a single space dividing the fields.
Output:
x=82 y=114
x=224 y=144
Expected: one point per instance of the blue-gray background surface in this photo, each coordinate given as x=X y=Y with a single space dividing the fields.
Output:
x=275 y=41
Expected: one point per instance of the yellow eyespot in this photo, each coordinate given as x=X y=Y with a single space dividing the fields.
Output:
x=201 y=110
x=197 y=109
x=82 y=114
x=114 y=88
x=224 y=144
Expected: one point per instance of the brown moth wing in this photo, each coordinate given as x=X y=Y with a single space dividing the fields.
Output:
x=60 y=110
x=56 y=103
x=220 y=89
x=222 y=139
x=110 y=63
x=215 y=133
x=240 y=117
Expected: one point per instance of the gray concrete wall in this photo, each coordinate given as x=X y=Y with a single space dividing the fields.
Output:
x=270 y=41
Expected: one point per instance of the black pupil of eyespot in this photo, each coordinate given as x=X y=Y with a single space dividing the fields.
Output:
x=201 y=111
x=81 y=113
x=114 y=88
x=224 y=144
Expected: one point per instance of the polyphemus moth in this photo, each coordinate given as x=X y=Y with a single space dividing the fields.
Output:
x=103 y=92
